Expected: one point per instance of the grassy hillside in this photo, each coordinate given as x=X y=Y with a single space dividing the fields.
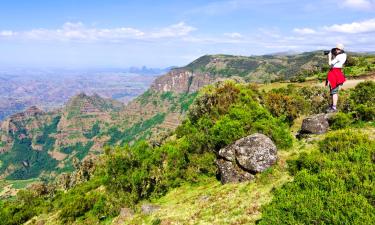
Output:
x=180 y=176
x=181 y=162
x=270 y=68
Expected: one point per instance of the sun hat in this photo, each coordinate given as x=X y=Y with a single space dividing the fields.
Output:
x=340 y=46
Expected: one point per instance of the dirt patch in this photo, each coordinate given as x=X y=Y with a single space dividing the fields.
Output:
x=57 y=155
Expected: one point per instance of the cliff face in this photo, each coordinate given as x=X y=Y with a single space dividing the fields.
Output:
x=181 y=81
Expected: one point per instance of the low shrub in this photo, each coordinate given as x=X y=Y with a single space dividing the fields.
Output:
x=334 y=185
x=363 y=101
x=340 y=120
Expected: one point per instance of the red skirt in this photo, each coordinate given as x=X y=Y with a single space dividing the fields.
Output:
x=335 y=77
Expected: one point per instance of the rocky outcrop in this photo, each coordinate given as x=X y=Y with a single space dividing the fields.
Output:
x=316 y=124
x=246 y=157
x=181 y=81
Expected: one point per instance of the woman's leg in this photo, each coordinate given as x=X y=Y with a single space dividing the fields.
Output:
x=334 y=100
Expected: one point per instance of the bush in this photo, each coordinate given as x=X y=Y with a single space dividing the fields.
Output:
x=288 y=106
x=221 y=122
x=363 y=100
x=292 y=102
x=342 y=140
x=340 y=120
x=334 y=185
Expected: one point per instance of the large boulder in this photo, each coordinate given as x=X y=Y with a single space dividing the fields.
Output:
x=256 y=152
x=244 y=158
x=231 y=173
x=316 y=124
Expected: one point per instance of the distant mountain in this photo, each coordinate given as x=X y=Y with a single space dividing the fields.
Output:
x=37 y=142
x=148 y=71
x=20 y=89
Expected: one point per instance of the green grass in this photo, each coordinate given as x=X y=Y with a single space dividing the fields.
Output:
x=20 y=184
x=210 y=202
x=16 y=184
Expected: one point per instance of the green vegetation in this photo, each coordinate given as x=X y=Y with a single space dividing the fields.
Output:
x=260 y=68
x=132 y=174
x=47 y=130
x=130 y=133
x=144 y=98
x=225 y=113
x=28 y=162
x=271 y=68
x=82 y=150
x=363 y=101
x=95 y=130
x=334 y=185
x=355 y=66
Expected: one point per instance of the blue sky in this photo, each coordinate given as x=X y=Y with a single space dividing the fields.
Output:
x=114 y=33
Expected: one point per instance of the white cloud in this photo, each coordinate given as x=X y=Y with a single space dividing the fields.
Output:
x=353 y=28
x=304 y=31
x=176 y=30
x=79 y=32
x=234 y=35
x=358 y=4
x=6 y=33
x=356 y=36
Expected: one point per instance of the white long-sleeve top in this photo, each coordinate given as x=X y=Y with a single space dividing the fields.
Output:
x=338 y=61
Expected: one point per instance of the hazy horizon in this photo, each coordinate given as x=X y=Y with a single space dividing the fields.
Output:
x=115 y=33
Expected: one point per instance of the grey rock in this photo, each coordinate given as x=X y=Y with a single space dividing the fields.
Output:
x=231 y=173
x=255 y=153
x=244 y=158
x=228 y=153
x=149 y=208
x=316 y=124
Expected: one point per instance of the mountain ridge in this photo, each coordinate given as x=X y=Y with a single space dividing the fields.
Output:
x=87 y=123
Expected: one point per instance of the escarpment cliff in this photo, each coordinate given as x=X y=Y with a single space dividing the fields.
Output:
x=182 y=81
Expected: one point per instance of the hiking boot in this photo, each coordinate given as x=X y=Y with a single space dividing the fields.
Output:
x=331 y=110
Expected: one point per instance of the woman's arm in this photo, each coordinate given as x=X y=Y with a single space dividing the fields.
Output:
x=339 y=59
x=330 y=58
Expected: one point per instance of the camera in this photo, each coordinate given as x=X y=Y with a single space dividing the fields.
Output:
x=333 y=51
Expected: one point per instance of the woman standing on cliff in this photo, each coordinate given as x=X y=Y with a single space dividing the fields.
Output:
x=335 y=76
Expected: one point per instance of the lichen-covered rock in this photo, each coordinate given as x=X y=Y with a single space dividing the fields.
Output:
x=244 y=158
x=255 y=153
x=228 y=153
x=231 y=173
x=316 y=124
